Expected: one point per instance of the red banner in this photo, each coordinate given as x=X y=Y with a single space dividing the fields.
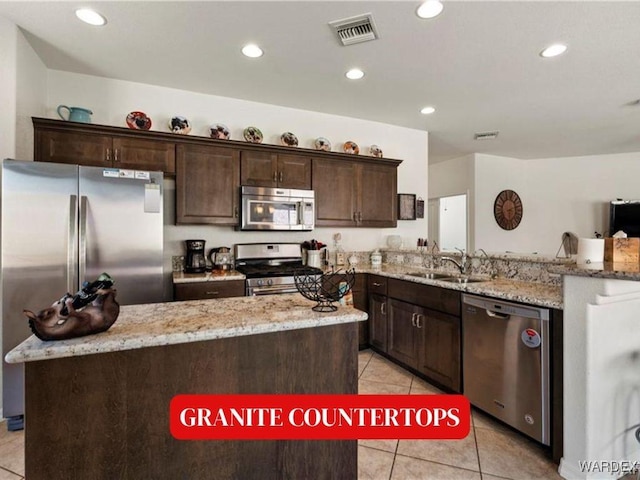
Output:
x=319 y=417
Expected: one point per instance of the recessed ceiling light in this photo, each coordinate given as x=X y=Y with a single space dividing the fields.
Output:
x=252 y=51
x=354 y=74
x=553 y=50
x=91 y=17
x=427 y=110
x=429 y=9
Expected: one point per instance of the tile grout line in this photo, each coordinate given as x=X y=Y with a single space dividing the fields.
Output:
x=11 y=471
x=395 y=453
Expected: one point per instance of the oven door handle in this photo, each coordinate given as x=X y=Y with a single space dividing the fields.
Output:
x=255 y=291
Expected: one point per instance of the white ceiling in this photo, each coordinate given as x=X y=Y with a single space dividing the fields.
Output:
x=477 y=63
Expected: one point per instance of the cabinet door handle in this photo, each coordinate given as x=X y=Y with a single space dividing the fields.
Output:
x=275 y=176
x=413 y=319
x=281 y=176
x=115 y=155
x=235 y=211
x=418 y=318
x=376 y=284
x=211 y=293
x=355 y=217
x=383 y=310
x=108 y=154
x=359 y=216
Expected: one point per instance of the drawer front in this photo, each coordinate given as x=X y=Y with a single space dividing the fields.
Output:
x=428 y=296
x=378 y=284
x=206 y=290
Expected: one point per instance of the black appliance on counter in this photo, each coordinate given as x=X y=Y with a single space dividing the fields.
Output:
x=195 y=261
x=269 y=267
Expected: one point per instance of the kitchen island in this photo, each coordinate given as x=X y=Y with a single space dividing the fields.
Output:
x=98 y=406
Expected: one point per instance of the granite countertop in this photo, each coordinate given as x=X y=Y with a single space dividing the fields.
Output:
x=619 y=271
x=538 y=294
x=157 y=324
x=216 y=275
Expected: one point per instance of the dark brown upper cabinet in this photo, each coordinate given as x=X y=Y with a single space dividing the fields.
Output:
x=207 y=183
x=355 y=193
x=101 y=146
x=270 y=169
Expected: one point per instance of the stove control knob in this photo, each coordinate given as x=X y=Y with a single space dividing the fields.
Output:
x=269 y=282
x=260 y=283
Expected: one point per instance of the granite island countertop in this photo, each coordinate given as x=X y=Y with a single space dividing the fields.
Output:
x=158 y=324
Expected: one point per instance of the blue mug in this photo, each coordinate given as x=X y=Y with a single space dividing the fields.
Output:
x=76 y=114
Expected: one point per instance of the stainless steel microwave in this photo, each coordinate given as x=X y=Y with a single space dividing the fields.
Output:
x=276 y=209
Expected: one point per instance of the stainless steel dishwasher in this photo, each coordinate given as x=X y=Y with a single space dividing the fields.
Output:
x=506 y=362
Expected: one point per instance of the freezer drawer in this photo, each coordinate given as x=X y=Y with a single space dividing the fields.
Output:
x=506 y=362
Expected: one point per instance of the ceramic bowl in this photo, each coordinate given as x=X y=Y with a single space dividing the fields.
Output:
x=375 y=151
x=252 y=135
x=219 y=131
x=289 y=139
x=138 y=121
x=179 y=125
x=351 y=147
x=323 y=144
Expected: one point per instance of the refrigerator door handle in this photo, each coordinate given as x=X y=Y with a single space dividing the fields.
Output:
x=82 y=270
x=72 y=245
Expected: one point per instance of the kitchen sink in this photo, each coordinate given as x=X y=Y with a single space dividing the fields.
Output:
x=429 y=275
x=462 y=280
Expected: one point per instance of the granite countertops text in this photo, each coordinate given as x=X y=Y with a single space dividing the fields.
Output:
x=157 y=324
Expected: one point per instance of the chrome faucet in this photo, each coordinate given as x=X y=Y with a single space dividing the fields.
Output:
x=492 y=266
x=463 y=266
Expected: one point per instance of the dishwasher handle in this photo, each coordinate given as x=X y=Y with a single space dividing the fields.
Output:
x=491 y=313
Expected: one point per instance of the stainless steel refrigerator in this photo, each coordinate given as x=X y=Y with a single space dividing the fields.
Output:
x=63 y=225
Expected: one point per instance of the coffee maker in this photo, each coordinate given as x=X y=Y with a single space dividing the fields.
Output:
x=195 y=262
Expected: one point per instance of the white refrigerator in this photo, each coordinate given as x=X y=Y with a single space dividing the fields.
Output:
x=62 y=225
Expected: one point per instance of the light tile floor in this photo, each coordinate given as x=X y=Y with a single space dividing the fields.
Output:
x=491 y=451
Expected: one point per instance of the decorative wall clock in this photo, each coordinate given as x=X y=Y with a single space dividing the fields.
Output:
x=507 y=209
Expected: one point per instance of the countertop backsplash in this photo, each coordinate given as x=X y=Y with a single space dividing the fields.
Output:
x=525 y=268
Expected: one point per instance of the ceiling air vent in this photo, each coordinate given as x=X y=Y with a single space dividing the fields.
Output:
x=358 y=29
x=486 y=135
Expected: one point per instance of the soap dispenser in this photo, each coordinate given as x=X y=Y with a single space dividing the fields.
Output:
x=376 y=258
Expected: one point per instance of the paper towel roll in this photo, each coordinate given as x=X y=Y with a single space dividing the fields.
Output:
x=590 y=250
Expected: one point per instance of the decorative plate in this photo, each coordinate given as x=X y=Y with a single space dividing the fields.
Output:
x=179 y=125
x=138 y=121
x=289 y=139
x=219 y=131
x=323 y=144
x=252 y=135
x=351 y=147
x=375 y=151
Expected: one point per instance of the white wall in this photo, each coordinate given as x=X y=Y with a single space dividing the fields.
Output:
x=111 y=100
x=492 y=175
x=569 y=194
x=8 y=67
x=456 y=177
x=31 y=96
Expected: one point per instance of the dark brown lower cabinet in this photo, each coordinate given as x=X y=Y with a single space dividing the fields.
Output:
x=378 y=321
x=361 y=302
x=205 y=290
x=440 y=353
x=424 y=331
x=404 y=332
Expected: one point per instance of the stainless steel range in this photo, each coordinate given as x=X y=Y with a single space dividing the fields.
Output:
x=270 y=267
